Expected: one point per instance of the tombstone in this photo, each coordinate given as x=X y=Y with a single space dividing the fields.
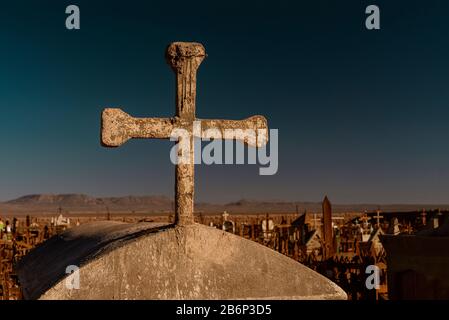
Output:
x=440 y=217
x=378 y=217
x=394 y=227
x=46 y=232
x=14 y=225
x=365 y=229
x=337 y=240
x=327 y=229
x=435 y=223
x=423 y=217
x=417 y=264
x=227 y=225
x=184 y=260
x=267 y=229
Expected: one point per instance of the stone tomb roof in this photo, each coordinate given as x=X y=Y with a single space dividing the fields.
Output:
x=157 y=261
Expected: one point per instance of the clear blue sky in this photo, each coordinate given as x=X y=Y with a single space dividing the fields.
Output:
x=362 y=115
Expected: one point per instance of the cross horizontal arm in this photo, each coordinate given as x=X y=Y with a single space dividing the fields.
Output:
x=252 y=131
x=117 y=127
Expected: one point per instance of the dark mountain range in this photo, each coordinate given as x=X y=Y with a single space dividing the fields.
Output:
x=81 y=203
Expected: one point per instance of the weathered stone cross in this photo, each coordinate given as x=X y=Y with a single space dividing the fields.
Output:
x=118 y=127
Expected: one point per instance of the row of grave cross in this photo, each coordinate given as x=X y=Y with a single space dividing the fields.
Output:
x=118 y=127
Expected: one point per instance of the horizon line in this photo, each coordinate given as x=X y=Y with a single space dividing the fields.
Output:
x=368 y=203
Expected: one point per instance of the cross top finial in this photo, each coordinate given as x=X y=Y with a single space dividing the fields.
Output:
x=185 y=58
x=177 y=51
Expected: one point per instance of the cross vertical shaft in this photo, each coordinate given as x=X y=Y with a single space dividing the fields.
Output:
x=185 y=58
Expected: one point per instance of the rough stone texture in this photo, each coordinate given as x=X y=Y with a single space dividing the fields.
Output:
x=148 y=261
x=185 y=58
x=118 y=127
x=253 y=130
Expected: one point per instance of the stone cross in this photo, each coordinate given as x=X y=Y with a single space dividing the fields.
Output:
x=118 y=127
x=423 y=217
x=316 y=221
x=378 y=216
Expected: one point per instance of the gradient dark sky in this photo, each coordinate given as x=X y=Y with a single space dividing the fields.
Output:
x=362 y=115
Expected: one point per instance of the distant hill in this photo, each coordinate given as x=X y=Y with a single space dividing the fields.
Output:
x=81 y=203
x=48 y=203
x=51 y=199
